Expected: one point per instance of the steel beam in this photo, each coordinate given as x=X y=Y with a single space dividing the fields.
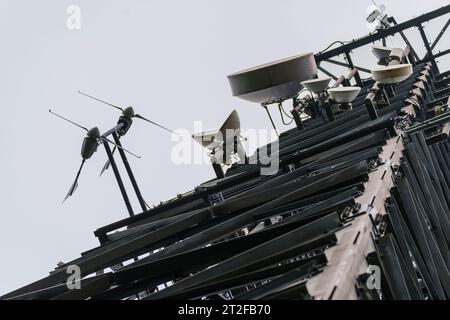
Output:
x=441 y=33
x=383 y=33
x=327 y=73
x=278 y=249
x=342 y=64
x=428 y=48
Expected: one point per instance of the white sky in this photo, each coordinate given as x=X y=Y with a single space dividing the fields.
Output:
x=169 y=59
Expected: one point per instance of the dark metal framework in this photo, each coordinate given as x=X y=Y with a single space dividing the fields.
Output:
x=247 y=236
x=384 y=33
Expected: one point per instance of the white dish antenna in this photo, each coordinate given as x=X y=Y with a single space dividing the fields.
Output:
x=214 y=140
x=392 y=74
x=344 y=94
x=210 y=139
x=386 y=55
x=381 y=52
x=274 y=81
x=317 y=85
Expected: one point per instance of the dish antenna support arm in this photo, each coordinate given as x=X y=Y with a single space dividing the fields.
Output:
x=271 y=119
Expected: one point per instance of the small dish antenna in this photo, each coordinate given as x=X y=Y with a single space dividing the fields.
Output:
x=392 y=74
x=386 y=76
x=316 y=85
x=224 y=145
x=341 y=98
x=395 y=71
x=344 y=95
x=381 y=52
x=387 y=56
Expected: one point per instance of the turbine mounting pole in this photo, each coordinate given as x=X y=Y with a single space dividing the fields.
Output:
x=130 y=173
x=119 y=179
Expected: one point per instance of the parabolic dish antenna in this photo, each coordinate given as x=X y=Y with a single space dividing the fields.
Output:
x=274 y=81
x=392 y=74
x=316 y=85
x=212 y=139
x=344 y=94
x=381 y=52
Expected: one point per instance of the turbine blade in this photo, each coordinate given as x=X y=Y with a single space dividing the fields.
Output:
x=71 y=190
x=75 y=183
x=154 y=123
x=74 y=123
x=107 y=163
x=105 y=167
x=114 y=144
x=99 y=100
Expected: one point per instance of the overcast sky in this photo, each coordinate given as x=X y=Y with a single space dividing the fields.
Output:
x=168 y=59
